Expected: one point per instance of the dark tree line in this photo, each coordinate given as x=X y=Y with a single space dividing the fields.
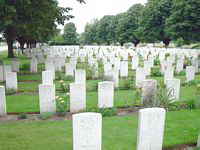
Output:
x=156 y=21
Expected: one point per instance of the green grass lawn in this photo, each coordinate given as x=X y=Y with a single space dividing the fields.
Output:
x=119 y=133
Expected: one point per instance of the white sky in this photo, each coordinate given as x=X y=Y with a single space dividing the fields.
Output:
x=96 y=9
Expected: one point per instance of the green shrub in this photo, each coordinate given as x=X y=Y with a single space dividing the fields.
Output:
x=182 y=73
x=61 y=105
x=68 y=78
x=45 y=116
x=64 y=86
x=106 y=112
x=22 y=116
x=155 y=72
x=156 y=62
x=126 y=84
x=11 y=91
x=25 y=67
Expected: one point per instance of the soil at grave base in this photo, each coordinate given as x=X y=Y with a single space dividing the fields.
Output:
x=180 y=147
x=13 y=116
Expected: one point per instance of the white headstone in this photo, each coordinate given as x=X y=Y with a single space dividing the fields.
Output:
x=105 y=94
x=77 y=97
x=11 y=80
x=69 y=69
x=124 y=69
x=47 y=98
x=34 y=64
x=151 y=129
x=173 y=87
x=2 y=101
x=47 y=77
x=80 y=76
x=190 y=73
x=149 y=88
x=140 y=77
x=15 y=65
x=1 y=73
x=87 y=131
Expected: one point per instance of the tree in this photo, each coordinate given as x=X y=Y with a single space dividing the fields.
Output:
x=89 y=36
x=153 y=23
x=70 y=35
x=128 y=24
x=184 y=22
x=106 y=30
x=30 y=21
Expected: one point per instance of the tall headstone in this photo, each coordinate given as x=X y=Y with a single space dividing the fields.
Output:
x=173 y=87
x=15 y=65
x=2 y=101
x=7 y=68
x=135 y=62
x=168 y=74
x=80 y=76
x=34 y=64
x=151 y=129
x=47 y=77
x=105 y=94
x=198 y=141
x=149 y=88
x=140 y=77
x=49 y=66
x=11 y=80
x=87 y=131
x=179 y=65
x=124 y=69
x=1 y=73
x=190 y=73
x=47 y=98
x=69 y=69
x=77 y=97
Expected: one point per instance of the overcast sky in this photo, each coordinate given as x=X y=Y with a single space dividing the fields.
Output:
x=96 y=9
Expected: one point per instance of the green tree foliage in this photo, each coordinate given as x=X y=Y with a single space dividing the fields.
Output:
x=184 y=22
x=128 y=24
x=153 y=23
x=70 y=35
x=106 y=30
x=30 y=21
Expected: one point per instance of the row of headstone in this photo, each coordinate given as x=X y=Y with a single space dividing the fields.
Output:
x=87 y=130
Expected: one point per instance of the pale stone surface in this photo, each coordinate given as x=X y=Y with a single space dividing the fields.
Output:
x=87 y=131
x=34 y=64
x=168 y=74
x=124 y=69
x=135 y=62
x=77 y=97
x=105 y=94
x=47 y=98
x=151 y=129
x=69 y=69
x=11 y=80
x=140 y=77
x=173 y=87
x=1 y=73
x=116 y=77
x=15 y=65
x=47 y=77
x=190 y=73
x=49 y=66
x=2 y=101
x=7 y=68
x=80 y=76
x=149 y=88
x=198 y=141
x=179 y=65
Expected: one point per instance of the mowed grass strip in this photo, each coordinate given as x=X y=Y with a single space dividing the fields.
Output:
x=119 y=133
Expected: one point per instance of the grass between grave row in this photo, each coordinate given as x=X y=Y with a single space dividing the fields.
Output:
x=30 y=102
x=119 y=133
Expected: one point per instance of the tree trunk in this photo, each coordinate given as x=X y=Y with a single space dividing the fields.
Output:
x=166 y=42
x=10 y=48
